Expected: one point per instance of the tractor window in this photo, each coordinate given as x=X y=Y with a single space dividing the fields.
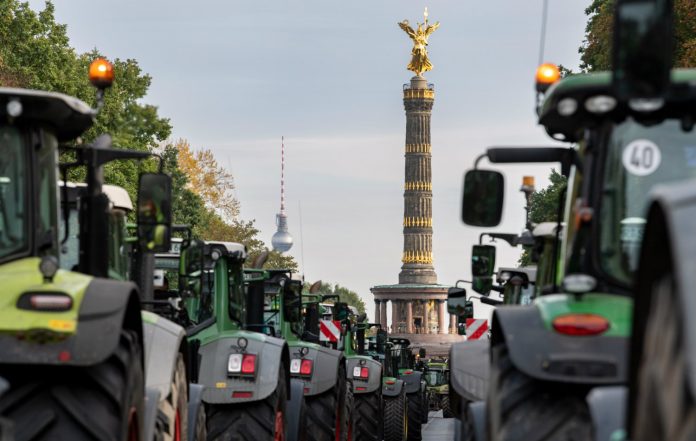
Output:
x=638 y=158
x=14 y=181
x=236 y=299
x=48 y=191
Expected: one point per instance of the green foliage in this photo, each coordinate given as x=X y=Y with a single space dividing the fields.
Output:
x=596 y=49
x=345 y=295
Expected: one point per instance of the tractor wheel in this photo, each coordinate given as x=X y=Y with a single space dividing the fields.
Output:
x=326 y=412
x=175 y=406
x=297 y=412
x=200 y=432
x=521 y=408
x=415 y=416
x=103 y=402
x=665 y=408
x=257 y=420
x=368 y=417
x=396 y=417
x=446 y=409
x=425 y=400
x=349 y=420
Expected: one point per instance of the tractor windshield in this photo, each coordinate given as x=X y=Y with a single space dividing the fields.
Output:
x=638 y=158
x=434 y=377
x=13 y=193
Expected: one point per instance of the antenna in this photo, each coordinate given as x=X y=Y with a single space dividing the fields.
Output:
x=542 y=38
x=282 y=240
x=282 y=175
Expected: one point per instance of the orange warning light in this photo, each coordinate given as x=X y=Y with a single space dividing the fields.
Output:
x=528 y=181
x=101 y=73
x=546 y=75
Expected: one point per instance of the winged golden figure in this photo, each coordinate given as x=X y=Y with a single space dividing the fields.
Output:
x=419 y=54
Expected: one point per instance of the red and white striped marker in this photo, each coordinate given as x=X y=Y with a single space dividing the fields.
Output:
x=475 y=328
x=329 y=330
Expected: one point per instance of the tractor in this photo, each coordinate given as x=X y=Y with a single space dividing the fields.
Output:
x=631 y=132
x=72 y=340
x=437 y=379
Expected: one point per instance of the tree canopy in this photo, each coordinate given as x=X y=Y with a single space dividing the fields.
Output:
x=345 y=295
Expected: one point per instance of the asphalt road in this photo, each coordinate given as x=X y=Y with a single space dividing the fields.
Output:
x=438 y=428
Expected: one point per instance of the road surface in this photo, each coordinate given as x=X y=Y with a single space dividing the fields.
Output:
x=438 y=428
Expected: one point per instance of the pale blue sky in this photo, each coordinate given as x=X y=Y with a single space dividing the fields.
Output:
x=235 y=76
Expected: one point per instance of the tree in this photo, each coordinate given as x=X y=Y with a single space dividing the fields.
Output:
x=544 y=206
x=345 y=295
x=596 y=49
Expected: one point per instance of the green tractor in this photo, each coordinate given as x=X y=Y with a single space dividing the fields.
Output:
x=570 y=347
x=437 y=379
x=176 y=403
x=328 y=391
x=405 y=367
x=72 y=340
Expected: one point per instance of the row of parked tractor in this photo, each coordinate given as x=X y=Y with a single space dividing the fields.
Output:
x=592 y=341
x=118 y=331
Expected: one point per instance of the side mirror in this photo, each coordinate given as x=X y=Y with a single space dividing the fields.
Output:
x=482 y=201
x=482 y=268
x=642 y=48
x=316 y=286
x=191 y=258
x=340 y=311
x=421 y=352
x=457 y=303
x=154 y=212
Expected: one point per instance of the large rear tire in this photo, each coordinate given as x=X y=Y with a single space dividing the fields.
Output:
x=522 y=408
x=396 y=417
x=100 y=402
x=368 y=417
x=175 y=406
x=415 y=416
x=262 y=420
x=326 y=416
x=665 y=408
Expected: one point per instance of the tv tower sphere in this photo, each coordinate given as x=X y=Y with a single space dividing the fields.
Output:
x=282 y=240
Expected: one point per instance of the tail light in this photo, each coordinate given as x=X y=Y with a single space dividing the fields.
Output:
x=241 y=364
x=390 y=382
x=580 y=324
x=45 y=302
x=408 y=372
x=361 y=372
x=306 y=367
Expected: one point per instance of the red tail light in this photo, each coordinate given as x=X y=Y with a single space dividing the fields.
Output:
x=249 y=364
x=306 y=367
x=364 y=372
x=390 y=382
x=408 y=372
x=242 y=394
x=580 y=324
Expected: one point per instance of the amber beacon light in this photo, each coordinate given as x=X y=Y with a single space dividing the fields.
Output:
x=101 y=73
x=546 y=75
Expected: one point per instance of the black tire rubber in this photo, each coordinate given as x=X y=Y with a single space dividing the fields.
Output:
x=467 y=432
x=368 y=416
x=349 y=420
x=248 y=421
x=176 y=401
x=297 y=412
x=522 y=408
x=78 y=403
x=325 y=412
x=415 y=416
x=665 y=408
x=426 y=408
x=396 y=417
x=446 y=408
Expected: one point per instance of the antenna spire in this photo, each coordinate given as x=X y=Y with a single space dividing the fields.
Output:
x=282 y=175
x=282 y=240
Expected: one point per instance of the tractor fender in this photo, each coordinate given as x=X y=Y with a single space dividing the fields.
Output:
x=470 y=369
x=163 y=343
x=108 y=307
x=194 y=403
x=374 y=379
x=607 y=406
x=271 y=356
x=294 y=410
x=152 y=398
x=392 y=390
x=667 y=246
x=325 y=362
x=412 y=382
x=549 y=356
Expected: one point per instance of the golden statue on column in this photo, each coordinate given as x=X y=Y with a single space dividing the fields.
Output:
x=419 y=59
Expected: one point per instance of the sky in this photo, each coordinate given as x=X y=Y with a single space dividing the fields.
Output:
x=235 y=76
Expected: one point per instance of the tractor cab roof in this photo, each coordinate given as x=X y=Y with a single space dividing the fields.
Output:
x=118 y=196
x=583 y=101
x=528 y=273
x=66 y=116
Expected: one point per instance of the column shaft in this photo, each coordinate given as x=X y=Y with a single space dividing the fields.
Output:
x=453 y=323
x=442 y=313
x=377 y=311
x=395 y=317
x=409 y=317
x=383 y=315
x=426 y=322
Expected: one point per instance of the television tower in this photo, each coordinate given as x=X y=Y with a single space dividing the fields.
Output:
x=282 y=240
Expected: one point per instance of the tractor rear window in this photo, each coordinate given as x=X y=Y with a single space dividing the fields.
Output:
x=13 y=194
x=638 y=158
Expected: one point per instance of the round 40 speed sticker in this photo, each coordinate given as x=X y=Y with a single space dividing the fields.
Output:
x=641 y=157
